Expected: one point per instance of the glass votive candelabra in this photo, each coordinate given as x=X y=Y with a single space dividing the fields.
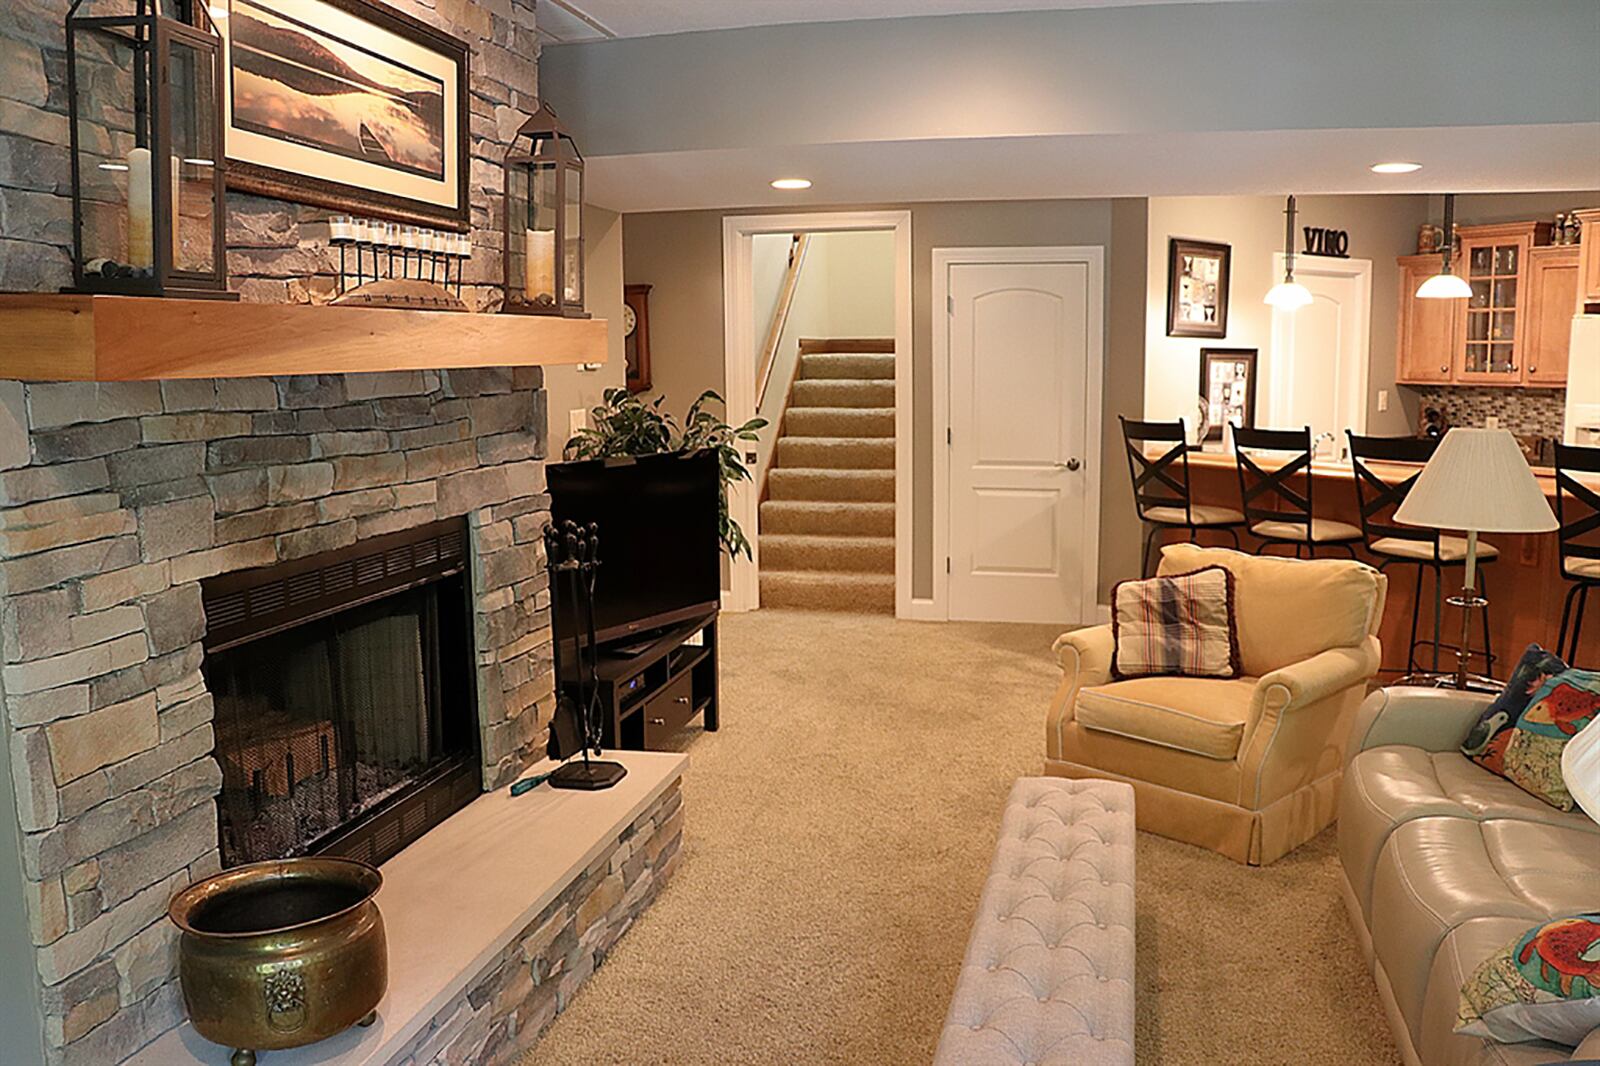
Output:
x=425 y=254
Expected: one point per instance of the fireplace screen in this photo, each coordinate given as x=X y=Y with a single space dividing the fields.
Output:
x=350 y=732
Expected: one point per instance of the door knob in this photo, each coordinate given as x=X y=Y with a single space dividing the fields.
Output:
x=1070 y=464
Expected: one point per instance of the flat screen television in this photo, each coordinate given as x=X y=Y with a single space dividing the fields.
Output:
x=659 y=551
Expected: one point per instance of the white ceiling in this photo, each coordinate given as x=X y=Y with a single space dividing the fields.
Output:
x=567 y=21
x=1543 y=158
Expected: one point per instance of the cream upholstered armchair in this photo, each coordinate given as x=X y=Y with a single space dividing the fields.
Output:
x=1249 y=767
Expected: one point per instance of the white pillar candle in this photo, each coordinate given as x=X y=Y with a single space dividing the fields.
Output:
x=140 y=248
x=540 y=252
x=177 y=183
x=341 y=228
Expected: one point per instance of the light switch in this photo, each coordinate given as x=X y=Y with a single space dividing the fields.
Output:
x=1383 y=400
x=577 y=419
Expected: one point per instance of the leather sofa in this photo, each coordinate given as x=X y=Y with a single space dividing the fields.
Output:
x=1446 y=863
x=1249 y=767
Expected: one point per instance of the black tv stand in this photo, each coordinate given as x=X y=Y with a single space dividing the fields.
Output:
x=653 y=686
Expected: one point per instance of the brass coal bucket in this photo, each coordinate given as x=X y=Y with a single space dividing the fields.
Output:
x=279 y=954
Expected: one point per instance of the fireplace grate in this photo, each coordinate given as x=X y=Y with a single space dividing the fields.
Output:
x=255 y=603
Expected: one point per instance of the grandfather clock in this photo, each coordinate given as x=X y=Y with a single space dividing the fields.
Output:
x=636 y=339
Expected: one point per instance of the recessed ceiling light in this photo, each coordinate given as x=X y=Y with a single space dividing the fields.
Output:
x=1395 y=168
x=792 y=183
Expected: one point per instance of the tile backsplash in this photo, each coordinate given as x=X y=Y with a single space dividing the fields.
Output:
x=1525 y=412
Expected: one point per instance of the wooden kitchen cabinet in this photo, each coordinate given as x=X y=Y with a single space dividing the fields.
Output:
x=1552 y=298
x=1514 y=329
x=1494 y=261
x=1427 y=342
x=1589 y=257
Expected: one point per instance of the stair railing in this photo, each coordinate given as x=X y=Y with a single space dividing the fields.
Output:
x=780 y=314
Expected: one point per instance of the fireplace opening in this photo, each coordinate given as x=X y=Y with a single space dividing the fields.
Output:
x=344 y=690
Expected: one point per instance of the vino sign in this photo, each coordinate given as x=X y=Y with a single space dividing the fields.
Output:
x=1323 y=241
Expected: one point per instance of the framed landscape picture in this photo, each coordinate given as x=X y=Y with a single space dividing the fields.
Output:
x=1228 y=384
x=1197 y=288
x=347 y=104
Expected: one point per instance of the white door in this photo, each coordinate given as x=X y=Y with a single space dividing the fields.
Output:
x=1320 y=352
x=1019 y=354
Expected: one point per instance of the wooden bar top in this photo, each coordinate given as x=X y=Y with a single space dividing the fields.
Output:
x=1340 y=469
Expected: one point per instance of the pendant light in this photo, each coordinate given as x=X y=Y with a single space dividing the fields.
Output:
x=1445 y=285
x=1288 y=294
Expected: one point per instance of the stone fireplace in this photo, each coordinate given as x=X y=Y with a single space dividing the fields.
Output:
x=140 y=508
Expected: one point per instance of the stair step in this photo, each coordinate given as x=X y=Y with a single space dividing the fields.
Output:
x=837 y=453
x=822 y=591
x=839 y=422
x=810 y=483
x=843 y=392
x=847 y=365
x=855 y=555
x=817 y=518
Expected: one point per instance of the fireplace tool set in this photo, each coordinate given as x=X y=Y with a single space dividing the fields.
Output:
x=573 y=552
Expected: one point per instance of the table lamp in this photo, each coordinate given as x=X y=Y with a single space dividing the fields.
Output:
x=1580 y=768
x=1478 y=481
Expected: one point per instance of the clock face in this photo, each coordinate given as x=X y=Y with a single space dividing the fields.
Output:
x=630 y=321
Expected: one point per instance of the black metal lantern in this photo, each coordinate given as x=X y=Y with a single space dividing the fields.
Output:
x=144 y=85
x=544 y=220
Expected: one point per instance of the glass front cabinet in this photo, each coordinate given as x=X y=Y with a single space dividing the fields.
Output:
x=1507 y=331
x=1494 y=259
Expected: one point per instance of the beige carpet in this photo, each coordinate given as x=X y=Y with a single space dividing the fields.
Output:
x=838 y=831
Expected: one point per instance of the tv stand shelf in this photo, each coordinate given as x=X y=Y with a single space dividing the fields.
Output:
x=651 y=688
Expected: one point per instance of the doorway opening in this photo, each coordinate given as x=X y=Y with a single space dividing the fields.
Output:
x=818 y=342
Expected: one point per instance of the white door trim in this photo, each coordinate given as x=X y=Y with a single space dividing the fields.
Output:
x=738 y=339
x=1358 y=270
x=1093 y=257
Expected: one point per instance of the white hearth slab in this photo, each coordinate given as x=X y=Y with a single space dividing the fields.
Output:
x=456 y=898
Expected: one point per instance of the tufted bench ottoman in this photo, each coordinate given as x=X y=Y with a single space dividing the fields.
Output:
x=1048 y=977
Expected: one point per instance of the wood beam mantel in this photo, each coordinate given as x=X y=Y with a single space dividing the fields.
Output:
x=48 y=337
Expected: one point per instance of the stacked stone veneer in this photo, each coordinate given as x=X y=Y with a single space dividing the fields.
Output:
x=116 y=500
x=277 y=251
x=507 y=1007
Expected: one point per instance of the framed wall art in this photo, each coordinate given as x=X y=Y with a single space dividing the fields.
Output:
x=1197 y=288
x=1228 y=386
x=347 y=104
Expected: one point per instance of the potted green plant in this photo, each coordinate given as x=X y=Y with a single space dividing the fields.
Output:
x=626 y=425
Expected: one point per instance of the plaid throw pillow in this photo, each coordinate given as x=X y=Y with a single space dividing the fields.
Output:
x=1182 y=624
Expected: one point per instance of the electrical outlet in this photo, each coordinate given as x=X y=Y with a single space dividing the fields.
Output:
x=1383 y=400
x=1492 y=422
x=577 y=419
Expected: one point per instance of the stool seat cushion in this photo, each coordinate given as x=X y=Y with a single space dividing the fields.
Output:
x=1204 y=514
x=1582 y=567
x=1323 y=531
x=1451 y=549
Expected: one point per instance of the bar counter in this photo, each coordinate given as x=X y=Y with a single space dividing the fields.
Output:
x=1524 y=585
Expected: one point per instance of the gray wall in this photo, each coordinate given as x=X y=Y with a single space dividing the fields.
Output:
x=680 y=253
x=1332 y=64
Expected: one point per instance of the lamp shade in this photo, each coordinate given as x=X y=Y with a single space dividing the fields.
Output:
x=1288 y=295
x=1444 y=287
x=1580 y=768
x=1479 y=481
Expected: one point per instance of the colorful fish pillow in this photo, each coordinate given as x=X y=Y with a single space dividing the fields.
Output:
x=1486 y=743
x=1557 y=712
x=1545 y=986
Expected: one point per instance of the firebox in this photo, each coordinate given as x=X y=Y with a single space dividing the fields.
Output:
x=346 y=720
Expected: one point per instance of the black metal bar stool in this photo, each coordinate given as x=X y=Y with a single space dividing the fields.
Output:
x=1578 y=511
x=1427 y=549
x=1161 y=486
x=1275 y=508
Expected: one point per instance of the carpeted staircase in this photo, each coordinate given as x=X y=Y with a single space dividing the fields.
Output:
x=827 y=523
